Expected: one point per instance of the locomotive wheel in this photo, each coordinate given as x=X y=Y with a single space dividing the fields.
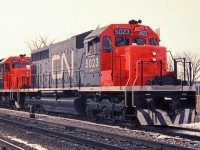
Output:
x=105 y=113
x=40 y=109
x=9 y=103
x=94 y=115
x=113 y=118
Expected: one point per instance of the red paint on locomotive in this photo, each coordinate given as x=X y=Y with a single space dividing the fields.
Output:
x=15 y=72
x=124 y=61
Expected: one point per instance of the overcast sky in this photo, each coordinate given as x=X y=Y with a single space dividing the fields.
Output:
x=21 y=20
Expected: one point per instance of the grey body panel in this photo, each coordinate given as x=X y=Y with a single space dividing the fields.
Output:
x=96 y=32
x=65 y=65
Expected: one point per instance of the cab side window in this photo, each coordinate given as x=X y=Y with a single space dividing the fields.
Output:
x=107 y=44
x=90 y=48
x=93 y=46
x=7 y=67
x=1 y=69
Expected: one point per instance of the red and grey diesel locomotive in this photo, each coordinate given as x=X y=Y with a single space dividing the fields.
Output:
x=117 y=72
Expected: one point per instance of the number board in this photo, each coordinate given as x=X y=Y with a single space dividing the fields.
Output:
x=143 y=33
x=27 y=60
x=122 y=31
x=15 y=60
x=92 y=63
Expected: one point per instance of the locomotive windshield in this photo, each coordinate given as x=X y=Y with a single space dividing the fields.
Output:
x=121 y=41
x=153 y=41
x=139 y=41
x=15 y=65
x=25 y=65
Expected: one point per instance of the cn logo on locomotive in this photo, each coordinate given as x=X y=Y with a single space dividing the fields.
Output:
x=64 y=60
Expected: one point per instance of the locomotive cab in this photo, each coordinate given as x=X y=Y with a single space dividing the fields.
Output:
x=15 y=72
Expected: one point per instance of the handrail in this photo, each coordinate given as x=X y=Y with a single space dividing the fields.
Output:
x=134 y=82
x=136 y=72
x=18 y=94
x=10 y=86
x=129 y=71
x=126 y=105
x=120 y=69
x=35 y=78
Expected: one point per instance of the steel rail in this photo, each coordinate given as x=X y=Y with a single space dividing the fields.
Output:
x=183 y=128
x=8 y=146
x=178 y=131
x=88 y=142
x=149 y=143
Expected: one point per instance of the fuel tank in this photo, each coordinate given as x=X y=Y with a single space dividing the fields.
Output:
x=60 y=102
x=62 y=105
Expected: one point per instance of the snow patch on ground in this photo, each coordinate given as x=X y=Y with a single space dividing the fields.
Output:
x=167 y=137
x=192 y=125
x=36 y=146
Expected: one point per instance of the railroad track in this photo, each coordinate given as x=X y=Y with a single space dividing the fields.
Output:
x=61 y=135
x=4 y=145
x=137 y=143
x=188 y=133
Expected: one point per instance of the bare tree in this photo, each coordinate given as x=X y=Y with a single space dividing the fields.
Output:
x=39 y=42
x=170 y=63
x=195 y=65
